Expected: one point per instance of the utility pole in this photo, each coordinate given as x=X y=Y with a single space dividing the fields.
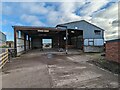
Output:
x=66 y=41
x=66 y=46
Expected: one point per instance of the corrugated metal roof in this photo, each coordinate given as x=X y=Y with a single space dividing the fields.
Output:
x=36 y=28
x=79 y=21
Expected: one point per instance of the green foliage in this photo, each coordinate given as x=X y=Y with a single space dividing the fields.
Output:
x=4 y=46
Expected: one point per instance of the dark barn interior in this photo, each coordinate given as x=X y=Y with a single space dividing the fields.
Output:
x=31 y=38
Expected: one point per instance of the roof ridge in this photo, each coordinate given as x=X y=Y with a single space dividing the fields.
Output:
x=81 y=21
x=72 y=22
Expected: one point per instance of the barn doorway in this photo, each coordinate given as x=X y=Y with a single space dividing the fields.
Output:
x=46 y=43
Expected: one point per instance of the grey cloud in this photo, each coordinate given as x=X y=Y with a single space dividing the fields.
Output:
x=115 y=23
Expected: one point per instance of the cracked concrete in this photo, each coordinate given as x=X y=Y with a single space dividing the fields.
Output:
x=35 y=70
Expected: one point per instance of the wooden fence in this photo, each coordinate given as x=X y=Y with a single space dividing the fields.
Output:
x=3 y=58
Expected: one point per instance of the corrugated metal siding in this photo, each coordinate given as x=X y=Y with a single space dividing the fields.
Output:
x=27 y=45
x=20 y=42
x=36 y=43
x=2 y=38
x=88 y=29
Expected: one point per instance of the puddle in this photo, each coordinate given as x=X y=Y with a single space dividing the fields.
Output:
x=6 y=72
x=50 y=55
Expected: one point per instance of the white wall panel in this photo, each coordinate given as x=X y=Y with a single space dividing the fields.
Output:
x=91 y=39
x=20 y=45
x=85 y=41
x=20 y=49
x=95 y=42
x=98 y=42
x=20 y=42
x=91 y=43
x=27 y=47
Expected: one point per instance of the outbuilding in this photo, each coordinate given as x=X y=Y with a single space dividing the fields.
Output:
x=2 y=39
x=91 y=38
x=80 y=35
x=10 y=44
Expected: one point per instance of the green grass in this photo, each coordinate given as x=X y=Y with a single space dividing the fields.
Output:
x=4 y=46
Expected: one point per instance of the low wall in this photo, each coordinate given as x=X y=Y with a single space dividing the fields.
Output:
x=112 y=50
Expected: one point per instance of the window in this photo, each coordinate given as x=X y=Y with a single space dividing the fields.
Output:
x=64 y=38
x=76 y=27
x=19 y=34
x=98 y=42
x=72 y=31
x=86 y=42
x=90 y=42
x=47 y=43
x=93 y=42
x=30 y=38
x=27 y=37
x=97 y=32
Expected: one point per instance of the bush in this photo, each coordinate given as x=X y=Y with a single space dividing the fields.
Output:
x=4 y=46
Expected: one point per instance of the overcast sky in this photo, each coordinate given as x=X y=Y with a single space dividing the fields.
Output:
x=103 y=13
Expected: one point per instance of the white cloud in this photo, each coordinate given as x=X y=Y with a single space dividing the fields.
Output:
x=34 y=8
x=90 y=10
x=67 y=7
x=40 y=0
x=92 y=6
x=10 y=23
x=105 y=19
x=31 y=19
x=109 y=13
x=115 y=23
x=66 y=13
x=18 y=24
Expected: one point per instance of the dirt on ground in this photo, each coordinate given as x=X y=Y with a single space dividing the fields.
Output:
x=111 y=66
x=35 y=70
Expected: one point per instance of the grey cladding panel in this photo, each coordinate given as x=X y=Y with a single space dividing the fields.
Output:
x=88 y=29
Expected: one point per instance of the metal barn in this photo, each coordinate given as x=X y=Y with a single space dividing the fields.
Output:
x=93 y=36
x=79 y=35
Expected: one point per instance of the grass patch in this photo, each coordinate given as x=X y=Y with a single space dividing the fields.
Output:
x=4 y=46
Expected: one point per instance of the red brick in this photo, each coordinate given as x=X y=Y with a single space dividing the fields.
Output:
x=112 y=51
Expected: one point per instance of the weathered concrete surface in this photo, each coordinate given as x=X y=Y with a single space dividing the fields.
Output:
x=35 y=70
x=30 y=71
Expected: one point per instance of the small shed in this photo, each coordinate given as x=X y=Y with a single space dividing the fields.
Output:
x=10 y=44
x=112 y=50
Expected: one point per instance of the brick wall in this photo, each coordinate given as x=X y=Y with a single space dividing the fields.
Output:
x=112 y=51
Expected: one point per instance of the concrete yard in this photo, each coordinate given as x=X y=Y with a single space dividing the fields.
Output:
x=36 y=70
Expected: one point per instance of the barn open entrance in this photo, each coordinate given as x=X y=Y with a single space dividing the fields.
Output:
x=37 y=38
x=33 y=38
x=47 y=43
x=75 y=39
